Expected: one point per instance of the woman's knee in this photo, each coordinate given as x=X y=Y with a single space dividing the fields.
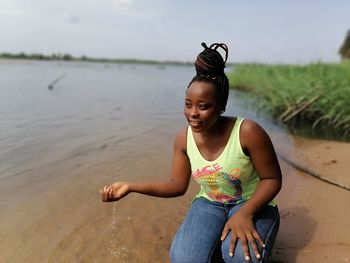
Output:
x=199 y=234
x=186 y=254
x=267 y=224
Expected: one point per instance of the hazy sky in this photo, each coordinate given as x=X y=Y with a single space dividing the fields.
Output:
x=274 y=31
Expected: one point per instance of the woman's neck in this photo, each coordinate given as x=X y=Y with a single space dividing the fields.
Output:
x=218 y=128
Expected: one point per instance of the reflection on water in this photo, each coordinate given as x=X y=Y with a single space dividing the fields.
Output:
x=58 y=147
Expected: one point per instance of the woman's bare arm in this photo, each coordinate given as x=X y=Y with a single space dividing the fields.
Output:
x=176 y=185
x=256 y=143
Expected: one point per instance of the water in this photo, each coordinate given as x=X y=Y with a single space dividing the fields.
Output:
x=94 y=103
x=99 y=124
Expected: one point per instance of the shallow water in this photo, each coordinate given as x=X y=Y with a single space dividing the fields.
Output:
x=99 y=124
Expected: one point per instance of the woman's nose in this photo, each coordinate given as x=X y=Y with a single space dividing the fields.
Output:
x=194 y=112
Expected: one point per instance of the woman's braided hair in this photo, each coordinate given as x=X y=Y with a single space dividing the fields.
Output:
x=210 y=67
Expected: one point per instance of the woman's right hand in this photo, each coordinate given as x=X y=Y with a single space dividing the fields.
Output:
x=115 y=191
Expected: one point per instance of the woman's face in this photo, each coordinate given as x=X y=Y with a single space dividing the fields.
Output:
x=201 y=107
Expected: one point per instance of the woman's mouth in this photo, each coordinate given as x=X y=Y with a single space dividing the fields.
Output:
x=194 y=123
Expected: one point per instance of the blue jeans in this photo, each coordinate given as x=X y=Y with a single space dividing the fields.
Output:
x=198 y=238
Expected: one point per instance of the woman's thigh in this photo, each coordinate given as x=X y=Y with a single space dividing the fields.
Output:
x=199 y=233
x=267 y=224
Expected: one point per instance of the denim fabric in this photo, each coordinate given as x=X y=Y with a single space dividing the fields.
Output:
x=198 y=238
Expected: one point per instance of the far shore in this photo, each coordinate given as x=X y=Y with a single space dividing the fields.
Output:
x=70 y=58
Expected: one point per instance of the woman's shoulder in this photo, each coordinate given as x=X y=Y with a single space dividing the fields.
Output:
x=251 y=133
x=249 y=125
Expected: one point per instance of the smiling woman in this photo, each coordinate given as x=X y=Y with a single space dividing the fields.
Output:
x=233 y=161
x=201 y=108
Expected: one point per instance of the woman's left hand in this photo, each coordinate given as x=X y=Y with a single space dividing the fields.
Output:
x=242 y=227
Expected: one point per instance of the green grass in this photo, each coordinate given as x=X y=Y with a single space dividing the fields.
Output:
x=318 y=94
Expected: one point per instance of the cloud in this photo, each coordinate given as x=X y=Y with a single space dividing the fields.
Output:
x=11 y=12
x=136 y=9
x=123 y=3
x=71 y=18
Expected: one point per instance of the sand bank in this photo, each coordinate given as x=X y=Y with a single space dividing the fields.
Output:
x=315 y=215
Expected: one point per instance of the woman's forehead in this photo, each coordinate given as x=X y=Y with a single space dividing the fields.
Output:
x=201 y=89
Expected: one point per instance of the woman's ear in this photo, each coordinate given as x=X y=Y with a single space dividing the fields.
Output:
x=223 y=109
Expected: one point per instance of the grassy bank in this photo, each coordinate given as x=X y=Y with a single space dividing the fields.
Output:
x=317 y=94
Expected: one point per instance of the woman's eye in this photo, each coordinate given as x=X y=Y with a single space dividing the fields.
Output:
x=188 y=105
x=203 y=107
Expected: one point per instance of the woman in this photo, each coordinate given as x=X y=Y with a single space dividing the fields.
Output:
x=234 y=217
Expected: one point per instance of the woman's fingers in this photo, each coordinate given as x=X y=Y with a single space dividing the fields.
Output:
x=257 y=237
x=225 y=232
x=107 y=194
x=244 y=238
x=232 y=247
x=252 y=242
x=104 y=194
x=110 y=193
x=114 y=192
x=245 y=248
x=250 y=236
x=242 y=228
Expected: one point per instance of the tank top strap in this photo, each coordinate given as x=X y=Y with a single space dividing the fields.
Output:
x=234 y=143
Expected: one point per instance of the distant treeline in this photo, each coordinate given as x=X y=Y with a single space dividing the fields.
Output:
x=68 y=57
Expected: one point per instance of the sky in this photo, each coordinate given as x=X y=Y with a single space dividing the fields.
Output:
x=269 y=31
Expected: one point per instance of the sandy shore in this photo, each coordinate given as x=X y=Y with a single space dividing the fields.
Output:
x=315 y=224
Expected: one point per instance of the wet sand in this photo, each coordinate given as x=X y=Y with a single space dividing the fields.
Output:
x=56 y=215
x=315 y=215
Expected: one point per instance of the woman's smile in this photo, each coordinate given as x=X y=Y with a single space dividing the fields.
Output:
x=195 y=124
x=201 y=107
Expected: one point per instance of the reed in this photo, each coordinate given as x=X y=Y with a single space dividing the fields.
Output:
x=318 y=94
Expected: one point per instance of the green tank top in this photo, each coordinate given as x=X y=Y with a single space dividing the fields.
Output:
x=231 y=178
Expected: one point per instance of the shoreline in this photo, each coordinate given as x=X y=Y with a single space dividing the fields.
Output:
x=323 y=157
x=68 y=58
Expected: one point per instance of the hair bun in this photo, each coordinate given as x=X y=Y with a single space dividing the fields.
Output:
x=204 y=45
x=209 y=61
